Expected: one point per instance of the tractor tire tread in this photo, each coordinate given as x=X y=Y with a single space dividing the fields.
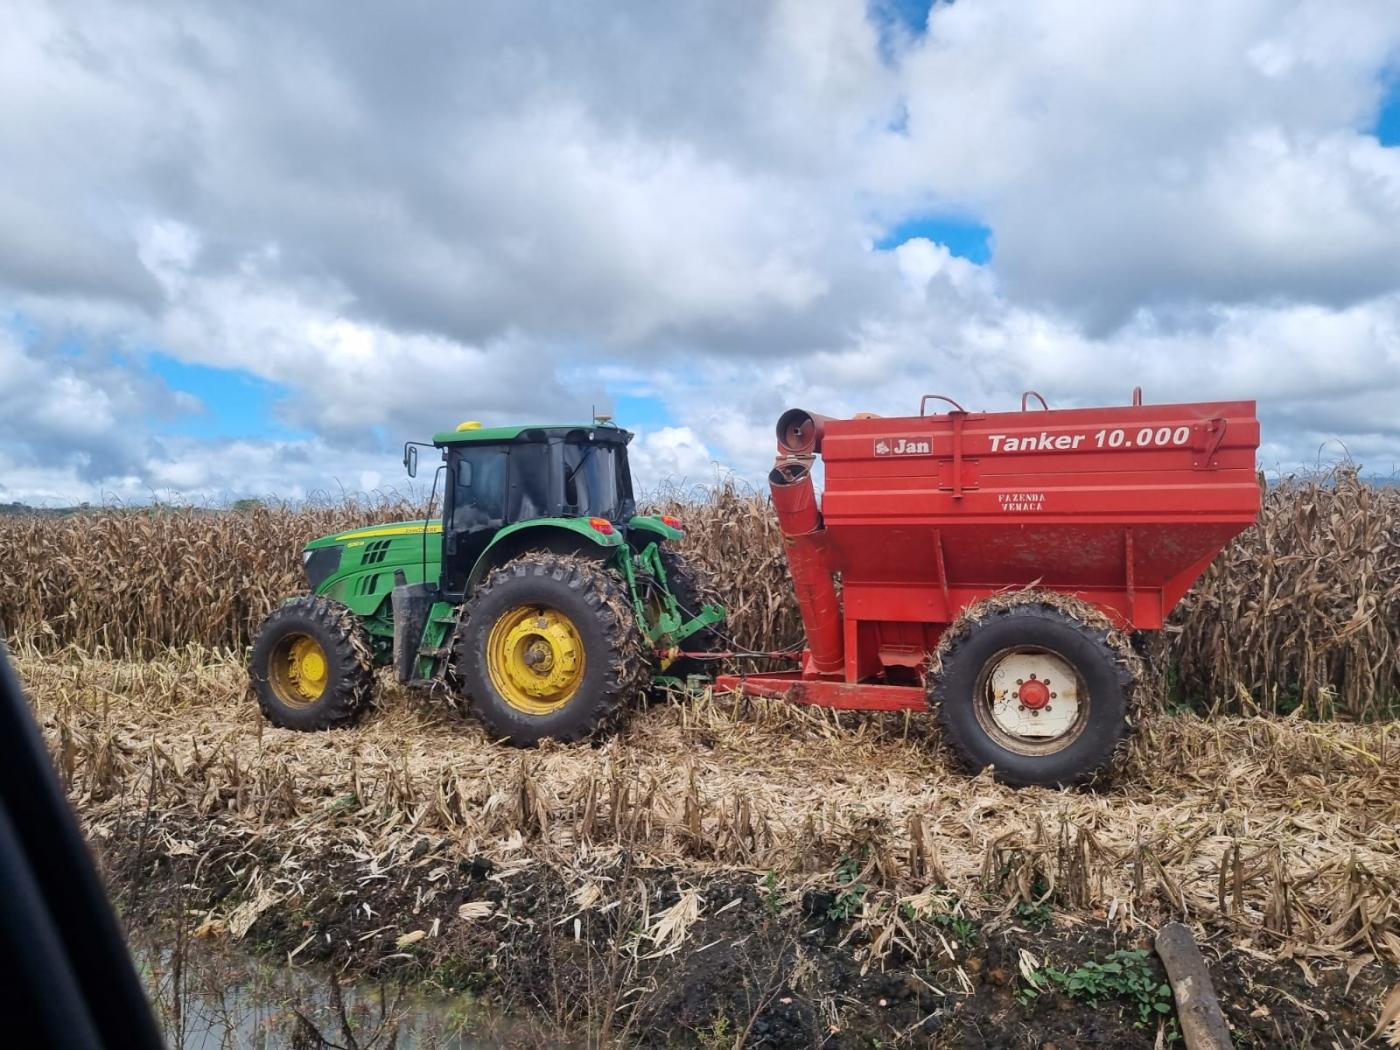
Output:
x=604 y=594
x=341 y=635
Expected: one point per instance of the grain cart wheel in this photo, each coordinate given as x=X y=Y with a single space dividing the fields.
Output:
x=1034 y=692
x=693 y=590
x=549 y=648
x=312 y=665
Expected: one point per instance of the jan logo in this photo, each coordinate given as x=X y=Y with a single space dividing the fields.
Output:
x=904 y=446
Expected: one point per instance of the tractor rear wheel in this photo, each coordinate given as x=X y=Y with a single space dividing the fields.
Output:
x=693 y=590
x=1034 y=692
x=312 y=665
x=549 y=648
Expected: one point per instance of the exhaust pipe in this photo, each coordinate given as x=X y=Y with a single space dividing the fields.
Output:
x=795 y=501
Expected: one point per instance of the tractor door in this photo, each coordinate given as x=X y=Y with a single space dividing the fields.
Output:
x=474 y=509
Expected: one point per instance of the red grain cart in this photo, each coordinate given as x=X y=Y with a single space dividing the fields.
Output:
x=1036 y=533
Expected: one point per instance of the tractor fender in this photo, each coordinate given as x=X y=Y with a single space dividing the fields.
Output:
x=557 y=535
x=654 y=525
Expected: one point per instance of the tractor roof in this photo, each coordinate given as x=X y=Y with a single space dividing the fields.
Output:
x=526 y=432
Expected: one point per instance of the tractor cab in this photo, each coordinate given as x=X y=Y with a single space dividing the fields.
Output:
x=503 y=477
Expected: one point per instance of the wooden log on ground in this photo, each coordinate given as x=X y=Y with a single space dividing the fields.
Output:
x=1197 y=1008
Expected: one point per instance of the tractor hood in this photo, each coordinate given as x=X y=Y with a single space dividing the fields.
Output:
x=374 y=532
x=358 y=566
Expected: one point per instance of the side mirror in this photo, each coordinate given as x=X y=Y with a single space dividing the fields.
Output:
x=410 y=460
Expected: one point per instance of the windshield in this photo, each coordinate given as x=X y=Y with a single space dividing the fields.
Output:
x=590 y=480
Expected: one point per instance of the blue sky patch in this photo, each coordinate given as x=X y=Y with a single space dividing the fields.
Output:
x=1387 y=127
x=237 y=404
x=641 y=412
x=910 y=15
x=897 y=21
x=899 y=123
x=24 y=329
x=967 y=238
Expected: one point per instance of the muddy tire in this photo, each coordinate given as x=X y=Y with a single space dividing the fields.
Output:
x=549 y=648
x=1034 y=692
x=693 y=589
x=312 y=666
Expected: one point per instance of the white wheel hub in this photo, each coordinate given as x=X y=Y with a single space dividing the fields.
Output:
x=1033 y=694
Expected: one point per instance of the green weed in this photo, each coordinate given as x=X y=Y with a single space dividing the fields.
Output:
x=1035 y=915
x=772 y=900
x=1125 y=976
x=719 y=1034
x=945 y=911
x=848 y=901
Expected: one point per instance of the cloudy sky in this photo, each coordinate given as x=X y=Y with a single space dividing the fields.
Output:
x=248 y=249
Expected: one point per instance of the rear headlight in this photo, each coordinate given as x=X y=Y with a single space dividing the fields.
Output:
x=672 y=521
x=602 y=525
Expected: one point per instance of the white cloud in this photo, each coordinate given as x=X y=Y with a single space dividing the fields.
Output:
x=503 y=213
x=920 y=260
x=1139 y=154
x=670 y=457
x=73 y=411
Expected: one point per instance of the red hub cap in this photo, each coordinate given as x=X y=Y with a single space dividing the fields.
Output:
x=1033 y=694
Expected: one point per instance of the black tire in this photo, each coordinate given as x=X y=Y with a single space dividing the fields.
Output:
x=594 y=601
x=347 y=685
x=962 y=696
x=693 y=590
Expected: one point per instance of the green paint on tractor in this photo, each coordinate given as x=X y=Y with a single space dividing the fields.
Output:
x=530 y=590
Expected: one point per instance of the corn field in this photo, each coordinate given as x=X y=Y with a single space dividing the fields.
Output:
x=1300 y=613
x=1273 y=829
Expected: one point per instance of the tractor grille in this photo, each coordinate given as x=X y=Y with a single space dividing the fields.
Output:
x=375 y=552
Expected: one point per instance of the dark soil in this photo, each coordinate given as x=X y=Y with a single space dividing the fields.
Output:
x=759 y=968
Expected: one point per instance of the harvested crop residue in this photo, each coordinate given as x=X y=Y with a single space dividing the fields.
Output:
x=734 y=869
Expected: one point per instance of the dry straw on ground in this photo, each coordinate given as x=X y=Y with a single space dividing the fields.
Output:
x=1302 y=611
x=1284 y=832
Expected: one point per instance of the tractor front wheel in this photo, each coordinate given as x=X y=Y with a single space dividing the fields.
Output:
x=549 y=647
x=1034 y=692
x=312 y=665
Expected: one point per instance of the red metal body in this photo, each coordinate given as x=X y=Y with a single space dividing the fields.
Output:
x=925 y=515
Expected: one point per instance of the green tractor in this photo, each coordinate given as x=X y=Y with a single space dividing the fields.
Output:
x=541 y=595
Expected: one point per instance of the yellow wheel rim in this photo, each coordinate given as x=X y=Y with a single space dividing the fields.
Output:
x=299 y=670
x=535 y=658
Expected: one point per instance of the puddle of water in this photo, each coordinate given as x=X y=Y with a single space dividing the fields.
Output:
x=211 y=998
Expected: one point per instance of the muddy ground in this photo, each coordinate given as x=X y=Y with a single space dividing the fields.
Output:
x=730 y=874
x=753 y=971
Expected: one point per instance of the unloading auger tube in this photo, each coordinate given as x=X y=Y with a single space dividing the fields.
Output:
x=1011 y=551
x=795 y=503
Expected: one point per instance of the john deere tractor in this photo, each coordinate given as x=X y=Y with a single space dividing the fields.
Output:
x=540 y=595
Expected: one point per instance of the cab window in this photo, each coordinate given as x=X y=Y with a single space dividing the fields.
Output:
x=590 y=480
x=529 y=495
x=479 y=489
